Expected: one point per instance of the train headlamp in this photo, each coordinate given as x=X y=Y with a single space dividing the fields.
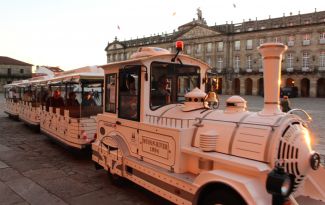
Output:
x=278 y=182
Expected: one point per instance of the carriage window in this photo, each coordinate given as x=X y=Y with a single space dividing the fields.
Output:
x=129 y=93
x=169 y=82
x=110 y=97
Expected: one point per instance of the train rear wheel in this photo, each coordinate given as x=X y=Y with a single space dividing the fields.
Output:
x=116 y=179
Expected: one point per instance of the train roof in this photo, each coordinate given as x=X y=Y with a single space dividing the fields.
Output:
x=88 y=73
x=152 y=57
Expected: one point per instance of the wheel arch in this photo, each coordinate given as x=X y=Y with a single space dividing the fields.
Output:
x=250 y=188
x=207 y=188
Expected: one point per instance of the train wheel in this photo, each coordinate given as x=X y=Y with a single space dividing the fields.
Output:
x=116 y=179
x=224 y=196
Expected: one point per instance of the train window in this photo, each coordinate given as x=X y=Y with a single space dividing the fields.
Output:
x=169 y=82
x=110 y=94
x=129 y=93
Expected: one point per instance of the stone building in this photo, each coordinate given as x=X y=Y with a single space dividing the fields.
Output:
x=12 y=69
x=47 y=70
x=231 y=51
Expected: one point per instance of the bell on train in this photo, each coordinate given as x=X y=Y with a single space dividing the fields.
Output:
x=212 y=97
x=212 y=100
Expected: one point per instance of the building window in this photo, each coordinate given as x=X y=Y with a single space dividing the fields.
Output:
x=277 y=40
x=188 y=49
x=198 y=49
x=260 y=64
x=306 y=39
x=322 y=38
x=208 y=60
x=121 y=56
x=219 y=63
x=289 y=60
x=237 y=45
x=291 y=41
x=21 y=71
x=220 y=46
x=249 y=62
x=322 y=59
x=305 y=60
x=307 y=22
x=9 y=71
x=237 y=63
x=260 y=41
x=249 y=44
x=111 y=58
x=209 y=47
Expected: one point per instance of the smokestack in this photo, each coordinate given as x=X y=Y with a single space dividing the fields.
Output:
x=272 y=56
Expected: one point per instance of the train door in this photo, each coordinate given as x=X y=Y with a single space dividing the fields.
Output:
x=129 y=89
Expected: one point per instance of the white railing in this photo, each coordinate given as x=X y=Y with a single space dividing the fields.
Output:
x=291 y=43
x=306 y=42
x=306 y=69
x=289 y=69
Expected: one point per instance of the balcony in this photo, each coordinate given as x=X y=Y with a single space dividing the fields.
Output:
x=306 y=69
x=260 y=70
x=289 y=70
x=322 y=41
x=322 y=69
x=249 y=70
x=306 y=42
x=291 y=43
x=236 y=70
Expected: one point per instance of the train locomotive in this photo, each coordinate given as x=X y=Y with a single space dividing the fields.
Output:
x=159 y=131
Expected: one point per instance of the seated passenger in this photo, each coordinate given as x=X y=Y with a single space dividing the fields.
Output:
x=162 y=95
x=56 y=101
x=72 y=101
x=88 y=100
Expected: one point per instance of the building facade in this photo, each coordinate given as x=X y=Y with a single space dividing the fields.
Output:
x=231 y=51
x=12 y=69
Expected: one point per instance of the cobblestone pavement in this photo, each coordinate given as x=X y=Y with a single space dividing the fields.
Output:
x=35 y=170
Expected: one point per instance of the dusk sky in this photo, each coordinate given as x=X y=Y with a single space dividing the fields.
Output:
x=74 y=33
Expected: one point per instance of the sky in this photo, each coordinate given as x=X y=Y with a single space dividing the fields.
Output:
x=74 y=33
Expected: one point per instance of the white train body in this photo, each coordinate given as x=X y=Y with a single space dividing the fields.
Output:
x=183 y=152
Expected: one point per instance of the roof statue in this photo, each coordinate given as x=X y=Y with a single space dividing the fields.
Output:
x=199 y=14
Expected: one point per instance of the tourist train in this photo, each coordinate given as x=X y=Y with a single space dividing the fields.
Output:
x=160 y=127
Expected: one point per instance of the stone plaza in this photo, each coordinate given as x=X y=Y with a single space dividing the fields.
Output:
x=36 y=170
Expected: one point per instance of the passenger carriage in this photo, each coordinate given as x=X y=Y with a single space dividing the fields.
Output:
x=31 y=102
x=72 y=99
x=13 y=98
x=177 y=146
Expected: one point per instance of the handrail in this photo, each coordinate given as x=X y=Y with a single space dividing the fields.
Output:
x=309 y=118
